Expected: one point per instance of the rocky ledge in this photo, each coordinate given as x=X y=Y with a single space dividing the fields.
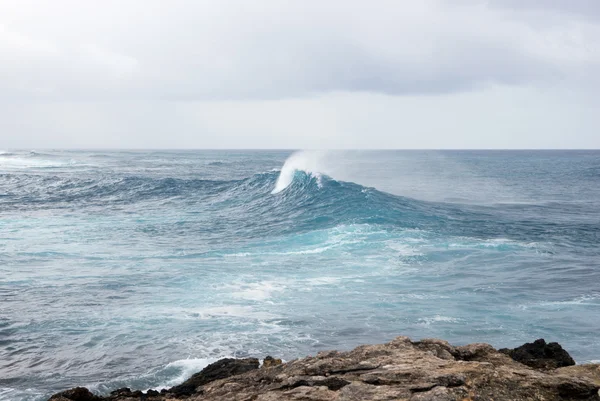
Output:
x=424 y=370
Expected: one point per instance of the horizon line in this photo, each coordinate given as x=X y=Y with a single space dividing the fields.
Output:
x=297 y=149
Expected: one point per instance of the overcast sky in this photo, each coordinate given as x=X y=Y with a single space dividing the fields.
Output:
x=299 y=74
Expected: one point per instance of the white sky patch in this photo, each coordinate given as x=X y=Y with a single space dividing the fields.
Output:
x=119 y=65
x=344 y=74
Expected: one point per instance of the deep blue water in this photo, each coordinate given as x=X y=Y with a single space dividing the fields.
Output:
x=138 y=268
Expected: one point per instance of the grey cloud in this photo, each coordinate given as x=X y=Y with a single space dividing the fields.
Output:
x=214 y=50
x=581 y=8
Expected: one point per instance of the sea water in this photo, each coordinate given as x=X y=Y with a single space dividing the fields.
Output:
x=137 y=268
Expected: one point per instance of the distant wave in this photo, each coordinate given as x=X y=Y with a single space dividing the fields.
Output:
x=309 y=200
x=12 y=161
x=33 y=153
x=216 y=163
x=306 y=199
x=24 y=160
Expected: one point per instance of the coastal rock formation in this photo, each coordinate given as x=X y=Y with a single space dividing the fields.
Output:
x=75 y=394
x=270 y=361
x=425 y=370
x=219 y=370
x=540 y=355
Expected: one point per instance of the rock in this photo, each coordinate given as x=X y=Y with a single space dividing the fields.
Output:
x=580 y=390
x=221 y=369
x=540 y=355
x=270 y=361
x=473 y=352
x=121 y=391
x=75 y=394
x=427 y=370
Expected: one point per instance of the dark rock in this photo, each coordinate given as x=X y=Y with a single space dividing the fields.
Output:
x=221 y=369
x=428 y=370
x=540 y=355
x=575 y=389
x=332 y=383
x=76 y=394
x=270 y=361
x=121 y=391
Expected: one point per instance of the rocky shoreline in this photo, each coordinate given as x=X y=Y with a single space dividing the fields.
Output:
x=426 y=370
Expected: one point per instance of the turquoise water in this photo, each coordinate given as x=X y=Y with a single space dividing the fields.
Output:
x=138 y=268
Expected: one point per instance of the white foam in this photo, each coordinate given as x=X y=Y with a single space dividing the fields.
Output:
x=259 y=291
x=584 y=300
x=323 y=281
x=11 y=394
x=423 y=296
x=404 y=249
x=437 y=318
x=28 y=162
x=307 y=251
x=310 y=162
x=187 y=368
x=285 y=253
x=468 y=242
x=238 y=255
x=231 y=311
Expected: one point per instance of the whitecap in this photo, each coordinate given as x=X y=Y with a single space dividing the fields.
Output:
x=27 y=162
x=185 y=368
x=310 y=162
x=231 y=311
x=494 y=243
x=316 y=281
x=259 y=291
x=437 y=319
x=583 y=300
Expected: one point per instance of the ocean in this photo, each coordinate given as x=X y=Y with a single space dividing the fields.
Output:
x=138 y=268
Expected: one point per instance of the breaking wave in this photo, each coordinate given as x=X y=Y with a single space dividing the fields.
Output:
x=165 y=261
x=302 y=161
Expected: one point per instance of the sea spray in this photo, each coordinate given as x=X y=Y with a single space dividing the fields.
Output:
x=311 y=162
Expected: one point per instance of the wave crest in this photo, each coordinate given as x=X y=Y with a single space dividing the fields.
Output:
x=312 y=163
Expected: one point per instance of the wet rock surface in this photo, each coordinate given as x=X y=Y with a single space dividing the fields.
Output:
x=219 y=370
x=75 y=394
x=425 y=370
x=540 y=355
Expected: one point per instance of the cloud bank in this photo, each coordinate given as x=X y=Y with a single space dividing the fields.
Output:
x=269 y=49
x=68 y=67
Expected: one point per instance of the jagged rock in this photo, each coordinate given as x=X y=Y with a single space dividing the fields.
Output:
x=121 y=391
x=219 y=370
x=270 y=361
x=427 y=370
x=540 y=355
x=75 y=394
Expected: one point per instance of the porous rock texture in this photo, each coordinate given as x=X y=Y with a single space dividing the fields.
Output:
x=426 y=370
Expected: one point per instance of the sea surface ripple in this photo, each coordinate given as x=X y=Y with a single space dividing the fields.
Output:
x=137 y=268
